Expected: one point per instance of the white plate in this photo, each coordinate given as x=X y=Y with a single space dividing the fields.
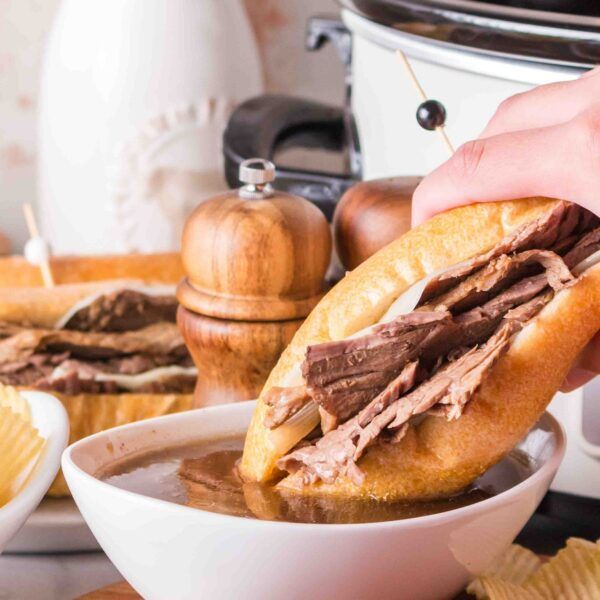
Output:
x=56 y=526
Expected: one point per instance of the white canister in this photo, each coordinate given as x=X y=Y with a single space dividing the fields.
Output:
x=134 y=98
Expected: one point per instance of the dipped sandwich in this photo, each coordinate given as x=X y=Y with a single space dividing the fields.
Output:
x=427 y=364
x=109 y=349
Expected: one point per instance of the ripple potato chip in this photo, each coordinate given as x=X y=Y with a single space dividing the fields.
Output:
x=20 y=443
x=573 y=574
x=513 y=567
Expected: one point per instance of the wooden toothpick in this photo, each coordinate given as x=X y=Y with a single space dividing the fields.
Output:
x=411 y=74
x=34 y=233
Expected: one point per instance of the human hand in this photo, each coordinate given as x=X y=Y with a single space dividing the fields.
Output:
x=544 y=142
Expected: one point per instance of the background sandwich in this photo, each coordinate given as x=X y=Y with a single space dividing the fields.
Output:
x=426 y=365
x=103 y=340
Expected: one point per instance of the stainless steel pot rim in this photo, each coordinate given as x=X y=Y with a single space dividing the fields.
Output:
x=514 y=14
x=489 y=63
x=523 y=34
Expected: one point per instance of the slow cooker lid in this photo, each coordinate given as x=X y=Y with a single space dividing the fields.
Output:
x=556 y=31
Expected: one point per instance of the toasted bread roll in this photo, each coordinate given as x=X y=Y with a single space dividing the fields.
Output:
x=15 y=271
x=25 y=302
x=438 y=457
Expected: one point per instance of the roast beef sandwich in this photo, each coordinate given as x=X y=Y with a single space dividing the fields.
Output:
x=426 y=365
x=103 y=340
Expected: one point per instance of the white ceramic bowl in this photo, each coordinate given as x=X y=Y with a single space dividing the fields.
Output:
x=50 y=418
x=172 y=552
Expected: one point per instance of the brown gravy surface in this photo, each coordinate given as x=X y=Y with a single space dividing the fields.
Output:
x=203 y=475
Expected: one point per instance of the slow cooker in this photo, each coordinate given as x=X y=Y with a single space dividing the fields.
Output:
x=469 y=55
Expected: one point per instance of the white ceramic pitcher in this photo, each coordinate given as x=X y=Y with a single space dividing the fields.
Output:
x=134 y=98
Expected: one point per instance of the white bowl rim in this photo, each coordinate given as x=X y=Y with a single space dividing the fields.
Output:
x=42 y=406
x=549 y=466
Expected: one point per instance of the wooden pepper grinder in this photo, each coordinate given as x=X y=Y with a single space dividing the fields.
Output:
x=370 y=215
x=255 y=260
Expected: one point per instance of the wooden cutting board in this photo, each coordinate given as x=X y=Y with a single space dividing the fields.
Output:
x=116 y=591
x=123 y=591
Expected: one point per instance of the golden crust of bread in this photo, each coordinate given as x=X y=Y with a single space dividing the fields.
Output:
x=440 y=457
x=24 y=300
x=91 y=413
x=42 y=307
x=167 y=267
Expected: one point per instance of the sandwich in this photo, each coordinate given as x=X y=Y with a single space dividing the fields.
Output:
x=103 y=340
x=428 y=363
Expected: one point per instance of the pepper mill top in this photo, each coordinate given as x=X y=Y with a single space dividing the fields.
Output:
x=254 y=254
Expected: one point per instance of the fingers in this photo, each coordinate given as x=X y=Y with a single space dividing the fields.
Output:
x=589 y=360
x=575 y=379
x=591 y=72
x=562 y=161
x=586 y=368
x=545 y=105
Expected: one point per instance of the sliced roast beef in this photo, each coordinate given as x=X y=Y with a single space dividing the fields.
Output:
x=479 y=323
x=585 y=247
x=160 y=339
x=499 y=274
x=540 y=234
x=123 y=310
x=333 y=454
x=344 y=376
x=59 y=372
x=67 y=361
x=72 y=383
x=452 y=387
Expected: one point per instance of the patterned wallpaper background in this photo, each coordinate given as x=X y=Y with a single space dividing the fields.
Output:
x=24 y=24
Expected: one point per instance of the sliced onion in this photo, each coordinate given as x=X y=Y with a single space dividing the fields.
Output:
x=587 y=263
x=296 y=428
x=133 y=382
x=408 y=300
x=129 y=382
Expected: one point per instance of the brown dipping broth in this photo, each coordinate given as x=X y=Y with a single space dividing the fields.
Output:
x=203 y=475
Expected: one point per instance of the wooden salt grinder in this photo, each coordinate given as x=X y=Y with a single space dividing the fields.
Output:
x=370 y=215
x=255 y=262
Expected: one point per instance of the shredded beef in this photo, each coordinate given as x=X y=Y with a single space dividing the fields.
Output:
x=344 y=376
x=499 y=274
x=333 y=454
x=72 y=383
x=585 y=247
x=540 y=234
x=451 y=387
x=39 y=372
x=30 y=357
x=19 y=343
x=123 y=310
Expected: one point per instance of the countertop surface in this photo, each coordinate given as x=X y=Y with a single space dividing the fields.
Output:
x=54 y=576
